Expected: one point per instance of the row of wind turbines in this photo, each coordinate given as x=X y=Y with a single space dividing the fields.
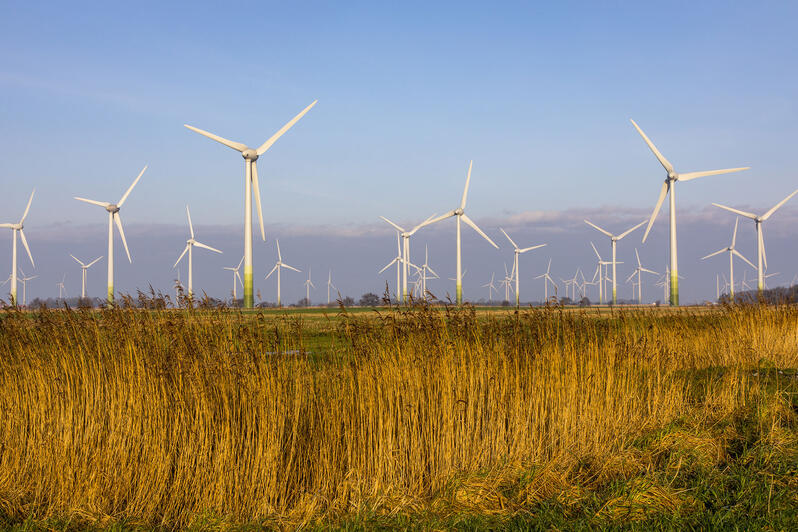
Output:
x=402 y=260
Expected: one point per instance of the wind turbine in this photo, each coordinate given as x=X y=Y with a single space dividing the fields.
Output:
x=24 y=279
x=277 y=267
x=614 y=240
x=83 y=268
x=424 y=268
x=518 y=251
x=491 y=287
x=406 y=249
x=17 y=228
x=329 y=285
x=639 y=271
x=251 y=188
x=668 y=187
x=507 y=283
x=398 y=260
x=732 y=252
x=236 y=276
x=761 y=255
x=61 y=288
x=190 y=243
x=602 y=266
x=546 y=280
x=113 y=217
x=459 y=212
x=308 y=284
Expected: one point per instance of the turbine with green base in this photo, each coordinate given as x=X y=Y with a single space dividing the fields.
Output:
x=732 y=252
x=17 y=228
x=190 y=243
x=518 y=251
x=668 y=189
x=251 y=187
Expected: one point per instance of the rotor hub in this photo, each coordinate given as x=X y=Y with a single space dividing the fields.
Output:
x=249 y=154
x=458 y=212
x=113 y=208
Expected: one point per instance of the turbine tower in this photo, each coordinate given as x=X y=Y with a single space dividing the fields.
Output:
x=639 y=271
x=83 y=268
x=614 y=263
x=459 y=212
x=277 y=267
x=190 y=243
x=113 y=217
x=17 y=228
x=308 y=284
x=668 y=189
x=236 y=276
x=251 y=187
x=518 y=251
x=406 y=249
x=732 y=252
x=760 y=242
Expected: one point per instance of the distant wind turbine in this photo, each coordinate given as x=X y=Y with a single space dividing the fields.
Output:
x=668 y=187
x=732 y=252
x=491 y=287
x=546 y=280
x=236 y=276
x=329 y=285
x=113 y=217
x=424 y=269
x=24 y=280
x=308 y=285
x=614 y=240
x=639 y=271
x=761 y=255
x=83 y=268
x=518 y=251
x=61 y=288
x=405 y=234
x=16 y=228
x=190 y=243
x=251 y=188
x=459 y=212
x=398 y=261
x=277 y=267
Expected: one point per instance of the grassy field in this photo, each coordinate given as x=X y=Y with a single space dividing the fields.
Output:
x=417 y=418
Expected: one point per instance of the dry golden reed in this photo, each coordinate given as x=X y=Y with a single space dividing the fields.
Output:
x=163 y=418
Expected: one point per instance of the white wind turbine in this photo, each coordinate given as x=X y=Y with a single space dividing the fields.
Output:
x=491 y=287
x=17 y=228
x=424 y=268
x=459 y=212
x=277 y=267
x=251 y=187
x=732 y=252
x=639 y=271
x=600 y=270
x=518 y=251
x=614 y=262
x=61 y=288
x=398 y=261
x=236 y=276
x=406 y=249
x=761 y=255
x=329 y=286
x=113 y=217
x=546 y=280
x=83 y=268
x=24 y=280
x=190 y=243
x=668 y=187
x=308 y=284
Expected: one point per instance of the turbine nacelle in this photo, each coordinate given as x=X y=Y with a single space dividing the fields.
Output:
x=112 y=208
x=249 y=154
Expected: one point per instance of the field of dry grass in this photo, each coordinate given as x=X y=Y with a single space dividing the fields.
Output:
x=421 y=418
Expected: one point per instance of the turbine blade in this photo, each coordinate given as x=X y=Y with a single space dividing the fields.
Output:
x=776 y=207
x=432 y=271
x=240 y=262
x=118 y=220
x=594 y=250
x=27 y=208
x=25 y=243
x=89 y=265
x=734 y=235
x=638 y=259
x=393 y=224
x=93 y=202
x=256 y=193
x=190 y=226
x=273 y=270
x=530 y=248
x=693 y=175
x=205 y=246
x=662 y=193
x=718 y=252
x=388 y=265
x=508 y=238
x=468 y=182
x=630 y=230
x=631 y=276
x=734 y=251
x=229 y=143
x=291 y=268
x=662 y=160
x=268 y=144
x=648 y=271
x=467 y=220
x=127 y=193
x=181 y=256
x=77 y=259
x=238 y=276
x=279 y=255
x=594 y=226
x=736 y=211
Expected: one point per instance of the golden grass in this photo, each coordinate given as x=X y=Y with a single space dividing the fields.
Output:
x=165 y=418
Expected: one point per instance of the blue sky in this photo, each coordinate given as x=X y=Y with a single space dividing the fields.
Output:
x=539 y=96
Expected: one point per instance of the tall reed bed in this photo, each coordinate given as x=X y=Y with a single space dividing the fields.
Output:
x=166 y=418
